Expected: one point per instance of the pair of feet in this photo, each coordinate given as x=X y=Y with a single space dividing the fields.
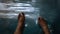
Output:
x=21 y=20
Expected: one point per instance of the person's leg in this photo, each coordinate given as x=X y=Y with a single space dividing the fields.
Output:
x=43 y=25
x=21 y=19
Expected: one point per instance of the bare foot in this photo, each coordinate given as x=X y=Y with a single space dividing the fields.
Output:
x=43 y=25
x=21 y=19
x=41 y=21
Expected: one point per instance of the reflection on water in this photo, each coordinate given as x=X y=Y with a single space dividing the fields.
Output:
x=9 y=10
